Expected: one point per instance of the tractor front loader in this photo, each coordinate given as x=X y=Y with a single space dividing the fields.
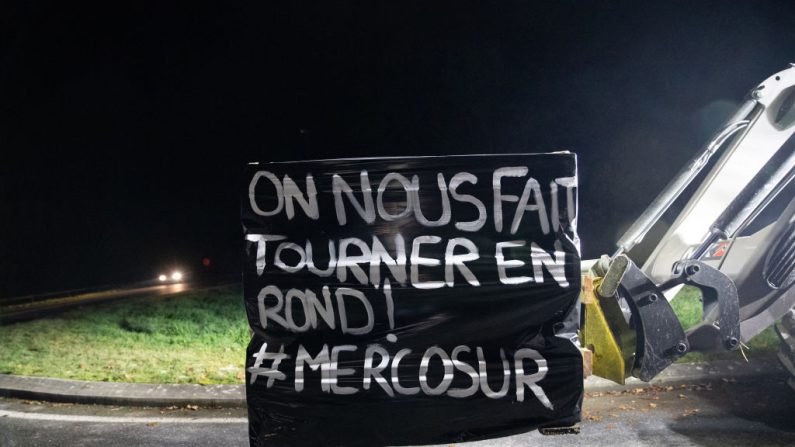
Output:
x=734 y=240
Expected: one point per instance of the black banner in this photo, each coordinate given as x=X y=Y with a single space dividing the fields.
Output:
x=411 y=300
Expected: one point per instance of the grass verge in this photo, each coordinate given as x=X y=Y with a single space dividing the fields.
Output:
x=687 y=305
x=193 y=337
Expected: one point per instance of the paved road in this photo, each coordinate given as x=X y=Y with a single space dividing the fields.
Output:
x=751 y=411
x=39 y=309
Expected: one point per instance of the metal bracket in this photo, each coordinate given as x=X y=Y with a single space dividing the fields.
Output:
x=660 y=337
x=605 y=333
x=720 y=325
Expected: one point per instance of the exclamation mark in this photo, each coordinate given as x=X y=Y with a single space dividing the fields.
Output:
x=390 y=310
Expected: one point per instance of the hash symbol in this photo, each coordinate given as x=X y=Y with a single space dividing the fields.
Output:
x=273 y=374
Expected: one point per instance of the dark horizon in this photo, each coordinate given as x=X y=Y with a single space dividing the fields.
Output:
x=125 y=129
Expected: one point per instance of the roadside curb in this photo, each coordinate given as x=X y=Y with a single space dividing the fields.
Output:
x=119 y=393
x=233 y=396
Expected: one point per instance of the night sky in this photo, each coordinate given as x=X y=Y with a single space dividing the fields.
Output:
x=124 y=129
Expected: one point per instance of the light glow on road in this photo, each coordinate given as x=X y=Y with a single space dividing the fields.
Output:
x=177 y=287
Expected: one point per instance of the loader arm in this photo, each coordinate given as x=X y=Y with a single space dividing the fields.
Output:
x=734 y=240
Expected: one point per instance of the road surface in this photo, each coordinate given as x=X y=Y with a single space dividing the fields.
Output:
x=752 y=411
x=38 y=309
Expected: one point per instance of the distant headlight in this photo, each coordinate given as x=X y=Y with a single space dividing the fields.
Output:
x=162 y=278
x=176 y=276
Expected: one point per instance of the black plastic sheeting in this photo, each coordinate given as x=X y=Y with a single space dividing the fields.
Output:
x=411 y=300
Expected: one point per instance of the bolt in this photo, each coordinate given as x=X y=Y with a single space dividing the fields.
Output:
x=681 y=347
x=653 y=297
x=732 y=342
x=692 y=269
